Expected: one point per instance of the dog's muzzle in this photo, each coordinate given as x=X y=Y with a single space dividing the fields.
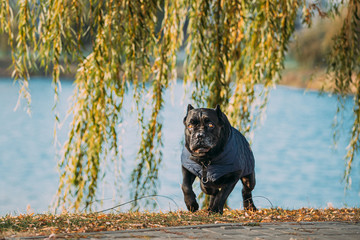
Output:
x=200 y=143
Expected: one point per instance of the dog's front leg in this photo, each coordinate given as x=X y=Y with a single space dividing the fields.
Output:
x=189 y=195
x=212 y=192
x=220 y=198
x=248 y=185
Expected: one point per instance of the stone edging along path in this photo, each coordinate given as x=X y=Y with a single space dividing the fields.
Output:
x=285 y=230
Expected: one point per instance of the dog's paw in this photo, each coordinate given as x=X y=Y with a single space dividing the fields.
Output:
x=215 y=211
x=250 y=207
x=249 y=204
x=192 y=206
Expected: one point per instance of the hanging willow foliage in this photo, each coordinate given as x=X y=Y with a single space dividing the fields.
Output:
x=344 y=72
x=232 y=47
x=126 y=49
x=235 y=54
x=126 y=46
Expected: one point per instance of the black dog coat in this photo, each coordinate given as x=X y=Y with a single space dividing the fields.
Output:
x=236 y=156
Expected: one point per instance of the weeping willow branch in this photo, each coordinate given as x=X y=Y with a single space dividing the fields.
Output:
x=262 y=57
x=234 y=45
x=122 y=52
x=344 y=72
x=144 y=177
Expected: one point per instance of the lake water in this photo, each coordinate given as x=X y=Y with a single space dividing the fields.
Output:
x=296 y=165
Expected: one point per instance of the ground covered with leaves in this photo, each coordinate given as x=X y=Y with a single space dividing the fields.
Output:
x=47 y=224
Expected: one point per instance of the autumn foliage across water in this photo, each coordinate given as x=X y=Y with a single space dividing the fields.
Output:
x=65 y=223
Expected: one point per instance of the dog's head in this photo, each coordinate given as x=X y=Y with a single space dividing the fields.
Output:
x=206 y=131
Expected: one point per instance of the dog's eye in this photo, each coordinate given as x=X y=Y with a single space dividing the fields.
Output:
x=210 y=125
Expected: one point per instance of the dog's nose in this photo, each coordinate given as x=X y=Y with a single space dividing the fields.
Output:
x=200 y=135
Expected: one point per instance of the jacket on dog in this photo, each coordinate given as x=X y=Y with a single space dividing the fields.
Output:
x=236 y=156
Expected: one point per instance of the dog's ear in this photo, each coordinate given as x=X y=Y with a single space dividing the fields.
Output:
x=218 y=111
x=224 y=122
x=189 y=108
x=221 y=116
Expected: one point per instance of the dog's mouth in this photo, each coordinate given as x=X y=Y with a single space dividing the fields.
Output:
x=201 y=147
x=202 y=150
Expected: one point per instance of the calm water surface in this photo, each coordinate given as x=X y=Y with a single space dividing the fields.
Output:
x=296 y=165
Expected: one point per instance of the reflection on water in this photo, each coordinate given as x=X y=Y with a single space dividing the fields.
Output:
x=295 y=164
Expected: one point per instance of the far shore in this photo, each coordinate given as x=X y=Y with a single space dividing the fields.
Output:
x=312 y=79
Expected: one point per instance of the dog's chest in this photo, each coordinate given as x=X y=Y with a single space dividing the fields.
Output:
x=237 y=156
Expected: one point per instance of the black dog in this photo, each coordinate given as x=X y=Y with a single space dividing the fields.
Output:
x=219 y=155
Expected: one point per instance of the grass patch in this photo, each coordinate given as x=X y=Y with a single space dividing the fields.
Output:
x=47 y=224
